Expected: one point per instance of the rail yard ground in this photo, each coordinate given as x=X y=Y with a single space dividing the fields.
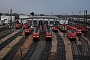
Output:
x=60 y=46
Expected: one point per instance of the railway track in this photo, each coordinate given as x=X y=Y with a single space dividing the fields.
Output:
x=30 y=52
x=3 y=44
x=6 y=33
x=42 y=36
x=85 y=48
x=76 y=51
x=3 y=28
x=46 y=52
x=10 y=55
x=60 y=48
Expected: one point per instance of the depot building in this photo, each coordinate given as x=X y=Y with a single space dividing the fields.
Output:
x=35 y=20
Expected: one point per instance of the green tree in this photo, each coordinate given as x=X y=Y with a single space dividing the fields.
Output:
x=32 y=13
x=16 y=17
x=0 y=15
x=41 y=14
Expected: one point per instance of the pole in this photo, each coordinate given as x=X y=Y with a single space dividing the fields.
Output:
x=84 y=15
x=64 y=24
x=86 y=21
x=80 y=14
x=0 y=15
x=21 y=24
x=10 y=19
x=21 y=52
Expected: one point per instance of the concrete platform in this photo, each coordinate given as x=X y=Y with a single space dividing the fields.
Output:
x=37 y=53
x=68 y=49
x=54 y=43
x=53 y=55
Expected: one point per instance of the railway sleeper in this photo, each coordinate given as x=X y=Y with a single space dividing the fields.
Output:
x=77 y=57
x=10 y=55
x=85 y=47
x=46 y=52
x=61 y=48
x=2 y=45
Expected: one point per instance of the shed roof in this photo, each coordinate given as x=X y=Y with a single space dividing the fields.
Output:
x=39 y=17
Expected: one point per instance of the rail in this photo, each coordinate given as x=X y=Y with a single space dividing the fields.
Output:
x=61 y=48
x=30 y=52
x=5 y=34
x=10 y=55
x=2 y=45
x=85 y=49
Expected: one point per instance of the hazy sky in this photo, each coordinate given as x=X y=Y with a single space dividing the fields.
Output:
x=45 y=6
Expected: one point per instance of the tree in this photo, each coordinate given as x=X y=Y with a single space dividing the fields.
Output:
x=0 y=15
x=16 y=17
x=41 y=14
x=32 y=13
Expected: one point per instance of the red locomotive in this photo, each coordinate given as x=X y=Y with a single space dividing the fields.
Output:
x=17 y=21
x=68 y=26
x=71 y=34
x=78 y=31
x=75 y=28
x=36 y=34
x=25 y=26
x=28 y=31
x=58 y=26
x=18 y=26
x=55 y=28
x=48 y=34
x=84 y=29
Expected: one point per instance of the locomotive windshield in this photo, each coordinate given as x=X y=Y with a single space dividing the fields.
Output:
x=36 y=30
x=48 y=30
x=72 y=31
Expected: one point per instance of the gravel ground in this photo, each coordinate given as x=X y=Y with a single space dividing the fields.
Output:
x=25 y=47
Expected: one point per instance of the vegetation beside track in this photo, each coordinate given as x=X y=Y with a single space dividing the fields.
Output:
x=15 y=46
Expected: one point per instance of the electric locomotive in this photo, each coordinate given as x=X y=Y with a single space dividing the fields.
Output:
x=36 y=34
x=25 y=26
x=48 y=34
x=28 y=31
x=71 y=34
x=58 y=26
x=18 y=26
x=55 y=29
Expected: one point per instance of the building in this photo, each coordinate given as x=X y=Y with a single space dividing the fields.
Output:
x=45 y=19
x=23 y=16
x=6 y=19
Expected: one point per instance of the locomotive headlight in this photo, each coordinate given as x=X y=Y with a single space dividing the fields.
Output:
x=27 y=31
x=37 y=36
x=33 y=36
x=73 y=34
x=49 y=36
x=79 y=30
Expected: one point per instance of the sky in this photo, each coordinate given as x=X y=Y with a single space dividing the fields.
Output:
x=45 y=6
